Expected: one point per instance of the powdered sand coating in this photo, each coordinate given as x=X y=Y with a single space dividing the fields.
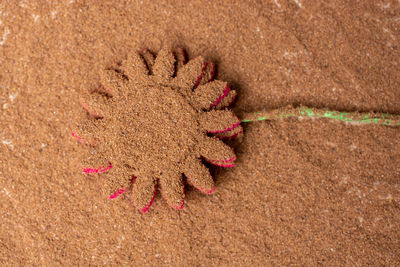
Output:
x=149 y=122
x=302 y=191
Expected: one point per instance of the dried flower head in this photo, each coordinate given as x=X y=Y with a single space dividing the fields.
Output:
x=156 y=119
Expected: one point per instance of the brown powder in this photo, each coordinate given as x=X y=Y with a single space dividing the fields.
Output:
x=303 y=192
x=154 y=127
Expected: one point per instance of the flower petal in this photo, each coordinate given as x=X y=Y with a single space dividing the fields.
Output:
x=210 y=94
x=172 y=189
x=199 y=176
x=219 y=121
x=95 y=105
x=85 y=132
x=144 y=191
x=181 y=58
x=148 y=58
x=227 y=100
x=216 y=151
x=111 y=82
x=134 y=67
x=222 y=163
x=164 y=66
x=235 y=132
x=208 y=73
x=190 y=74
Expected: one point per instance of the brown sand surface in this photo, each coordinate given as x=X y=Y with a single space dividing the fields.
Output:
x=303 y=192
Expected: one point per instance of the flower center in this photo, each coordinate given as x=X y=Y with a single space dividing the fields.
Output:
x=161 y=127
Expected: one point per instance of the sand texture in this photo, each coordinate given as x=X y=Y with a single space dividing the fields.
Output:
x=302 y=192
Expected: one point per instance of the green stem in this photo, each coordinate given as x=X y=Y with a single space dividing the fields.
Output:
x=351 y=117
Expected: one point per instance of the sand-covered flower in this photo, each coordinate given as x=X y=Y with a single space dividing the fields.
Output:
x=153 y=122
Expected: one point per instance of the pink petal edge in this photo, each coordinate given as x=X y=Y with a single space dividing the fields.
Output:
x=183 y=200
x=183 y=53
x=117 y=193
x=212 y=72
x=227 y=129
x=200 y=76
x=224 y=160
x=224 y=94
x=147 y=207
x=205 y=191
x=181 y=206
x=209 y=192
x=230 y=137
x=94 y=115
x=98 y=170
x=232 y=100
x=80 y=139
x=222 y=165
x=121 y=190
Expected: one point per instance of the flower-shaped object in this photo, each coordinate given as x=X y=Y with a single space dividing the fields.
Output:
x=154 y=119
